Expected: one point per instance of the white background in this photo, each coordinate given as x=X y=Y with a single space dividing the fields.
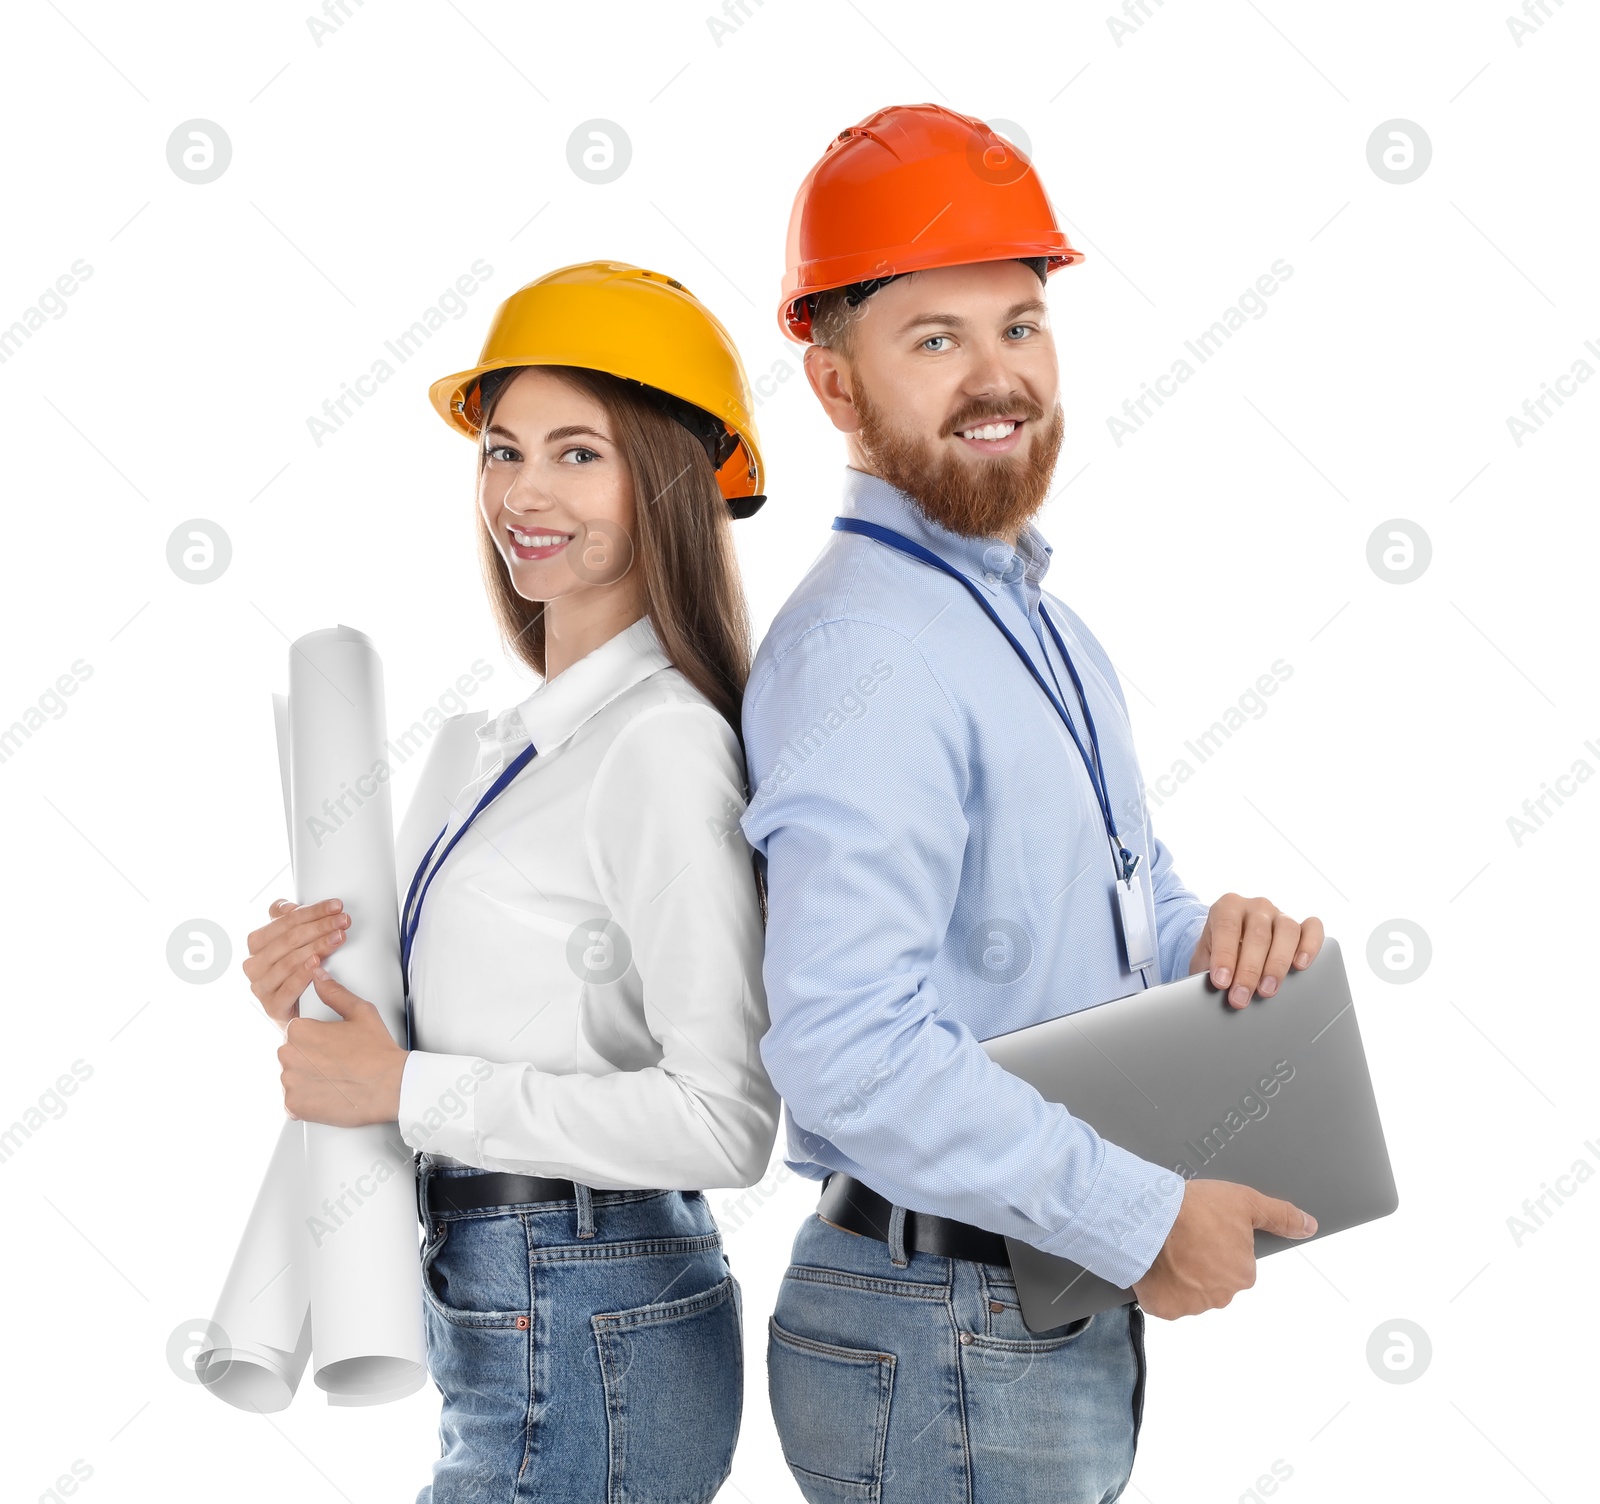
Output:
x=1186 y=156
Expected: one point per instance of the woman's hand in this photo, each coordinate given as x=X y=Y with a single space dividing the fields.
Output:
x=345 y=1072
x=283 y=953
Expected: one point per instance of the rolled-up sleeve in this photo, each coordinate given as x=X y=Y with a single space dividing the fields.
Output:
x=860 y=769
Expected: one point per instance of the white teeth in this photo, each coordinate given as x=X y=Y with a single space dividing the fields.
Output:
x=538 y=540
x=988 y=431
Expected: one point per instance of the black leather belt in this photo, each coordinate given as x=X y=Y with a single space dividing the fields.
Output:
x=856 y=1207
x=467 y=1193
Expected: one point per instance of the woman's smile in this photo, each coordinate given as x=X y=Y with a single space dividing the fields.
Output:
x=537 y=543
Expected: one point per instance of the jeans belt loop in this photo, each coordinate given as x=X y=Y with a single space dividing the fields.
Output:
x=421 y=1167
x=897 y=1237
x=585 y=1211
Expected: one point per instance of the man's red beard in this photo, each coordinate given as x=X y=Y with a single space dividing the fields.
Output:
x=979 y=496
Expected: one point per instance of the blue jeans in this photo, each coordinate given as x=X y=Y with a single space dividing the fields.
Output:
x=587 y=1350
x=910 y=1379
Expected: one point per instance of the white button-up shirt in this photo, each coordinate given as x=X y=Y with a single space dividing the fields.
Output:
x=586 y=985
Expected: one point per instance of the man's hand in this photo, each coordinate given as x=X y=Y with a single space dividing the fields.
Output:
x=1210 y=1254
x=345 y=1072
x=1248 y=941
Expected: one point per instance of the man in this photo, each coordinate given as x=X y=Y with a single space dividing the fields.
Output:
x=956 y=845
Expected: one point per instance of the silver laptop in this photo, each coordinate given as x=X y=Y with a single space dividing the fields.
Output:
x=1275 y=1095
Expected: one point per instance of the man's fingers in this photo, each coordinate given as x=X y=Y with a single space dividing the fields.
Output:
x=1253 y=946
x=1281 y=1217
x=1311 y=938
x=1224 y=923
x=1285 y=945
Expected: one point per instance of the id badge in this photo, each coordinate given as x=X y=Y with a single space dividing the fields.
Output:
x=1137 y=941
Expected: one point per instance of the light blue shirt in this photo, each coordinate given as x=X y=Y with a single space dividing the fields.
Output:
x=938 y=873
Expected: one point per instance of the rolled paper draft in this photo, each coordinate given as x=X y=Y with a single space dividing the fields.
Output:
x=260 y=1335
x=359 y=1207
x=280 y=722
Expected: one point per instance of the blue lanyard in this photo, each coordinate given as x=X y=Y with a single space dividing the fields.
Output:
x=409 y=920
x=1126 y=860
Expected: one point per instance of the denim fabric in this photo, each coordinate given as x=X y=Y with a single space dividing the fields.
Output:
x=916 y=1382
x=586 y=1350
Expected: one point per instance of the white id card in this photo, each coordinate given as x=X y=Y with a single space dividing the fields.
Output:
x=1137 y=941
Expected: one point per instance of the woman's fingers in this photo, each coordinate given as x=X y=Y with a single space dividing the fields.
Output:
x=283 y=951
x=287 y=915
x=280 y=988
x=296 y=927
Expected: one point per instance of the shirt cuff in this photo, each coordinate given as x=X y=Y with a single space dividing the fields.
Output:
x=1124 y=1220
x=438 y=1103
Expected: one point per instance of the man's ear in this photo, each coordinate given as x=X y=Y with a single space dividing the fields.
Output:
x=832 y=380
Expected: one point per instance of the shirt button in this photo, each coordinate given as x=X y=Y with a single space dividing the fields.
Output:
x=966 y=1338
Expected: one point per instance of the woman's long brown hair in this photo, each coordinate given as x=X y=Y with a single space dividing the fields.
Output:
x=683 y=544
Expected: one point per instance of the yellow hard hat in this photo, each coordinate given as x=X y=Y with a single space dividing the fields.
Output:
x=640 y=325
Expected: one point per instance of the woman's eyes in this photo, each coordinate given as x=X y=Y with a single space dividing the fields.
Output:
x=497 y=451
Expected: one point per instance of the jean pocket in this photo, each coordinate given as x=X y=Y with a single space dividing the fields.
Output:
x=1006 y=1331
x=831 y=1407
x=475 y=1272
x=673 y=1376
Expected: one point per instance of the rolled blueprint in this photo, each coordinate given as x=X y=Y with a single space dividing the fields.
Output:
x=359 y=1207
x=260 y=1336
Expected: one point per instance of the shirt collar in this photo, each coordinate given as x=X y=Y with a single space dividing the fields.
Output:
x=990 y=562
x=560 y=705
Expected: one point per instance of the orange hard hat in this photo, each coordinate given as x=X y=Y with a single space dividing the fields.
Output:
x=913 y=186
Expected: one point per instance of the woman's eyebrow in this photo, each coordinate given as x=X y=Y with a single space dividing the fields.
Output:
x=572 y=430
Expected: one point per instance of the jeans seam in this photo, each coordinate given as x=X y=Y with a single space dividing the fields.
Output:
x=873 y=1284
x=836 y=1350
x=532 y=1368
x=961 y=1393
x=560 y=1253
x=536 y=1208
x=662 y=1313
x=1136 y=1332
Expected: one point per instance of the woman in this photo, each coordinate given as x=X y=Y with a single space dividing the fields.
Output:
x=583 y=951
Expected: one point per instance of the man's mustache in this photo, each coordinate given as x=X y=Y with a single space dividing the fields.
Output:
x=1028 y=412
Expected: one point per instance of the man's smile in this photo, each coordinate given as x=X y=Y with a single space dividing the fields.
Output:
x=992 y=436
